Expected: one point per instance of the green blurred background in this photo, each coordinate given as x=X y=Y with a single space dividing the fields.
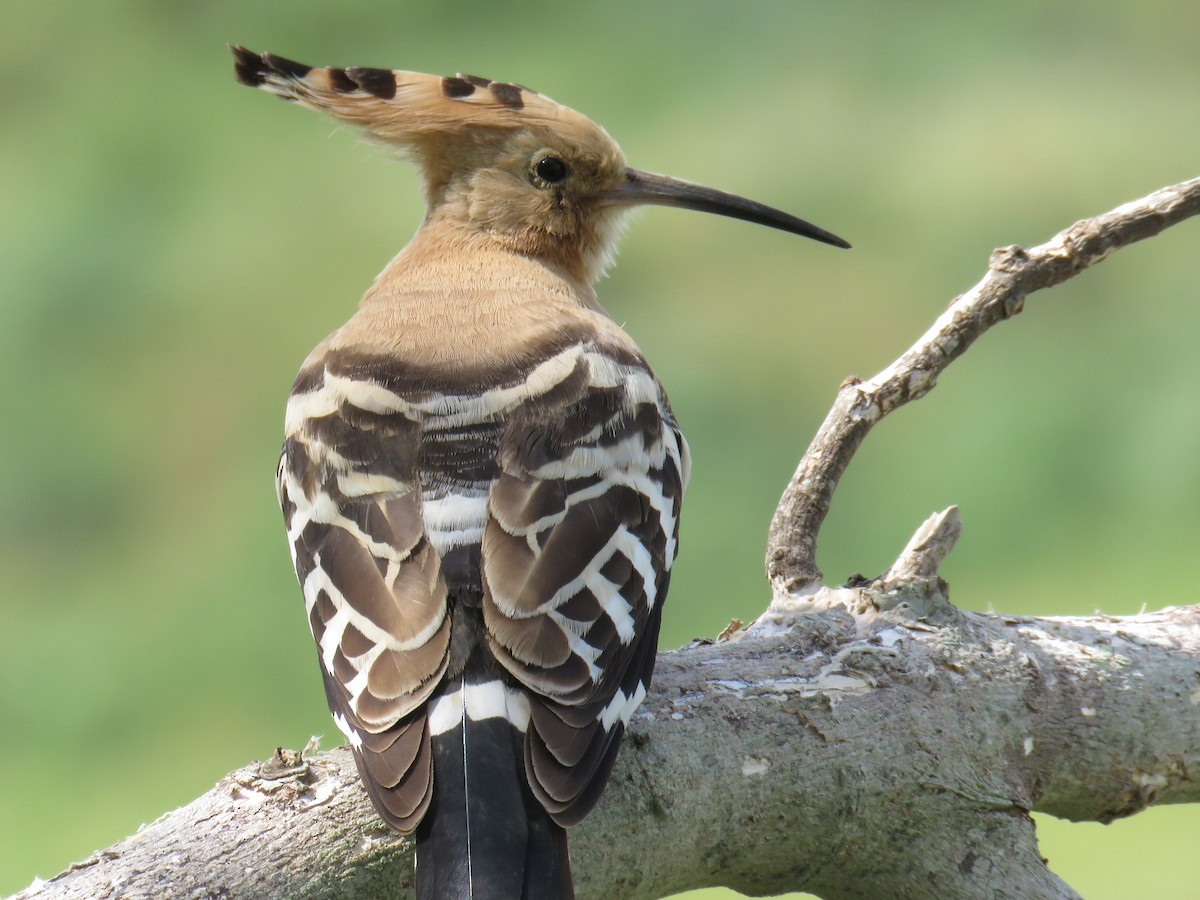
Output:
x=173 y=245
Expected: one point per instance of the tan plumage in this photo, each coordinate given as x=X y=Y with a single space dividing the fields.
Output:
x=482 y=478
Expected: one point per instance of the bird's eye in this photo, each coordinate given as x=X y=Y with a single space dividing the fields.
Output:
x=550 y=170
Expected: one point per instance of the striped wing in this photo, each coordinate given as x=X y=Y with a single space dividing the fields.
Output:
x=568 y=478
x=372 y=583
x=577 y=550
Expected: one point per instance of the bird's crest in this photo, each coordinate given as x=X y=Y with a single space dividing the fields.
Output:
x=394 y=103
x=414 y=110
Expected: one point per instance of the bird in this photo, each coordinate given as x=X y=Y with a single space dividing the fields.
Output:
x=481 y=476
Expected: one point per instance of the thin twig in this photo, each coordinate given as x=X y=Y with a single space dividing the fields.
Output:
x=1012 y=274
x=925 y=551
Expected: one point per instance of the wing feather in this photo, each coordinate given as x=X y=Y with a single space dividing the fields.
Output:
x=581 y=533
x=580 y=526
x=372 y=581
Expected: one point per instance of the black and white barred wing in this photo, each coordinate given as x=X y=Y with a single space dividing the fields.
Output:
x=372 y=583
x=577 y=550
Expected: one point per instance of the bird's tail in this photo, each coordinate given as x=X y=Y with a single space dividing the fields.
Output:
x=485 y=837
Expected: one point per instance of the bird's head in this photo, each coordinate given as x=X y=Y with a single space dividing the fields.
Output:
x=502 y=162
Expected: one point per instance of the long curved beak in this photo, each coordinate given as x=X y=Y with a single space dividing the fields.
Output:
x=662 y=190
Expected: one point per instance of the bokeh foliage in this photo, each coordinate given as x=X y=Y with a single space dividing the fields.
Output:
x=174 y=244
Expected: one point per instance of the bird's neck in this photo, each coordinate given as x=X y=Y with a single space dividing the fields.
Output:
x=451 y=300
x=457 y=263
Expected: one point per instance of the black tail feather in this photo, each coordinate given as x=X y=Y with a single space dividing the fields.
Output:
x=485 y=837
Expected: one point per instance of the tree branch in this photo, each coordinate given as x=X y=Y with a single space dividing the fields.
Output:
x=1012 y=274
x=863 y=741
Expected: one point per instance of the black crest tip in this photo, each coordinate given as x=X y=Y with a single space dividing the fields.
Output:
x=248 y=66
x=289 y=68
x=253 y=68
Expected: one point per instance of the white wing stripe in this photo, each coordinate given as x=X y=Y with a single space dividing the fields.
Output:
x=363 y=484
x=486 y=700
x=345 y=614
x=572 y=587
x=446 y=410
x=630 y=455
x=324 y=511
x=454 y=512
x=616 y=607
x=454 y=520
x=453 y=410
x=622 y=707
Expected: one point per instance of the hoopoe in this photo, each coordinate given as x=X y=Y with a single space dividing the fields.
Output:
x=481 y=477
